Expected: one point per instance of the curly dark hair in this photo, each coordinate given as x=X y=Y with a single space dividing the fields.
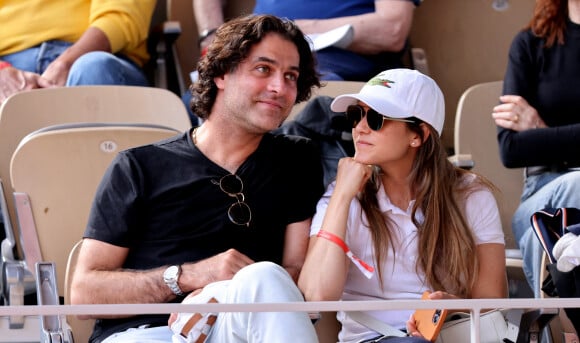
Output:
x=232 y=44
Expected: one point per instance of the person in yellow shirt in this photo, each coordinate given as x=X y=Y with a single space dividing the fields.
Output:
x=48 y=43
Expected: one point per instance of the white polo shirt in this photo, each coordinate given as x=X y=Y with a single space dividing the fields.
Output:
x=400 y=278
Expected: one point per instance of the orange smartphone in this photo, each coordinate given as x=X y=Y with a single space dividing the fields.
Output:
x=429 y=321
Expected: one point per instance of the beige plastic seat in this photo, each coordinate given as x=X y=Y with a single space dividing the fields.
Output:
x=475 y=135
x=475 y=142
x=55 y=173
x=26 y=112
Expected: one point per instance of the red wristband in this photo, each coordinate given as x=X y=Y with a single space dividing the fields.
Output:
x=4 y=64
x=366 y=269
x=203 y=52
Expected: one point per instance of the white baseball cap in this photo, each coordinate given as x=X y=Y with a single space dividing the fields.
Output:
x=399 y=93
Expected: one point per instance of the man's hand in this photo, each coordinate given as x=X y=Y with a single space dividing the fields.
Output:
x=13 y=80
x=57 y=72
x=216 y=268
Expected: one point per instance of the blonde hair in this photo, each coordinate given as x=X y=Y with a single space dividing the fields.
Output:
x=440 y=190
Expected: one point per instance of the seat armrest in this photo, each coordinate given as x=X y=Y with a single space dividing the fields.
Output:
x=166 y=69
x=514 y=264
x=419 y=59
x=514 y=254
x=52 y=327
x=8 y=246
x=533 y=322
x=171 y=30
x=464 y=161
x=16 y=282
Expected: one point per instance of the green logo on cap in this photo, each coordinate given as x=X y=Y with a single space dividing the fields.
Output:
x=377 y=81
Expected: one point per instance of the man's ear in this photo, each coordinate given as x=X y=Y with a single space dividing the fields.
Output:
x=219 y=81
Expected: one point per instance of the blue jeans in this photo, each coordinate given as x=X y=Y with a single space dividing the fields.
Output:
x=93 y=68
x=541 y=191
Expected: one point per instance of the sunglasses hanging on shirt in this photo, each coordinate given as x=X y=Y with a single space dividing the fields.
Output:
x=239 y=212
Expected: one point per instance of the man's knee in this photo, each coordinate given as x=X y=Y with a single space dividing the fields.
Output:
x=92 y=68
x=566 y=192
x=103 y=68
x=261 y=271
x=266 y=282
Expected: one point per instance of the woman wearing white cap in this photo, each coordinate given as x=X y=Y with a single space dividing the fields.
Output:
x=408 y=219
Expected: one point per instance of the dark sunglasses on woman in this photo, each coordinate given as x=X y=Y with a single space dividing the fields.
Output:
x=355 y=113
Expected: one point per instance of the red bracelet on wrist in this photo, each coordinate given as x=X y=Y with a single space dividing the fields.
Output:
x=4 y=64
x=203 y=52
x=366 y=269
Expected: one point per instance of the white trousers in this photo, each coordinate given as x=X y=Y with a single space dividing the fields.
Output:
x=262 y=282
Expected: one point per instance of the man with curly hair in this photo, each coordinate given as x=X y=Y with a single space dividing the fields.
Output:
x=221 y=211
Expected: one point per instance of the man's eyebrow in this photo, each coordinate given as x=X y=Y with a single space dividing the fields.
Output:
x=272 y=61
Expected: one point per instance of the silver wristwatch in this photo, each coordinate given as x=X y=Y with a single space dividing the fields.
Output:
x=171 y=276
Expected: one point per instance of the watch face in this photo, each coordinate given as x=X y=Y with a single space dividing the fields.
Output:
x=171 y=273
x=170 y=276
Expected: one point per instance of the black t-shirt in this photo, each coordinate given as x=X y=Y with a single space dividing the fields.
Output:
x=549 y=79
x=164 y=203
